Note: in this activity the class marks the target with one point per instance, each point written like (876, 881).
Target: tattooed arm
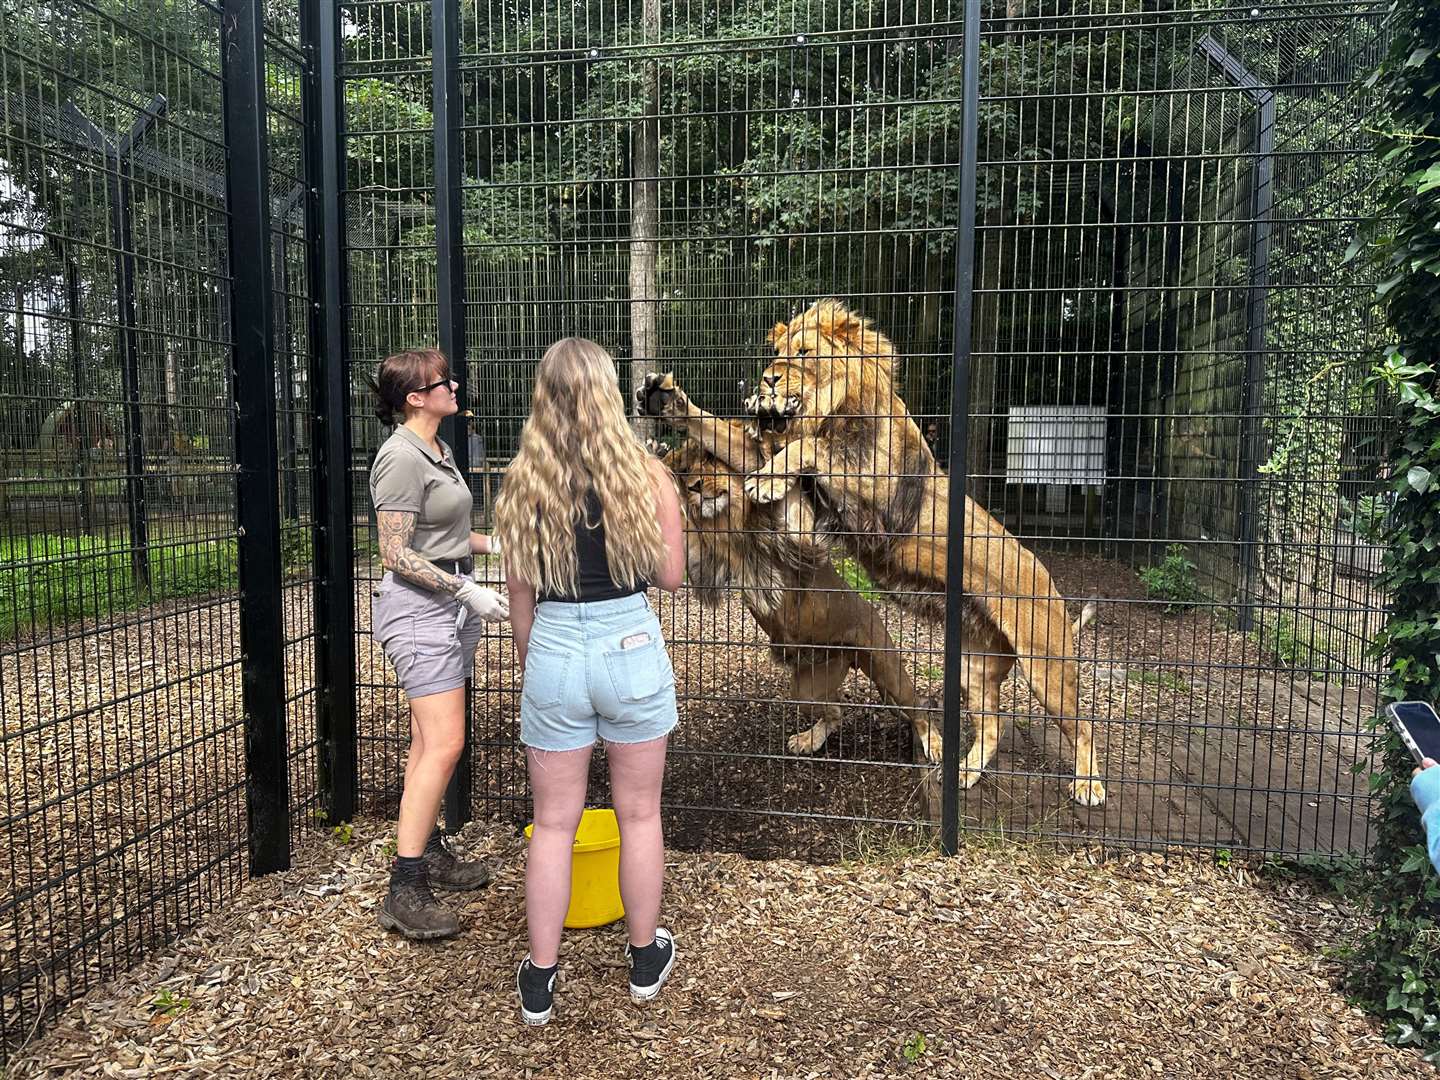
(397, 530)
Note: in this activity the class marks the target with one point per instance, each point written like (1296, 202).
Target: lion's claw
(659, 396)
(763, 488)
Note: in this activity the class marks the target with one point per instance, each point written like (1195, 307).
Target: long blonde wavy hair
(577, 437)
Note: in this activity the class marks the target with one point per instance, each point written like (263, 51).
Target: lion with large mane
(831, 443)
(819, 627)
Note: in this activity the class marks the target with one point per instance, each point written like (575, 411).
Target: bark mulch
(1008, 961)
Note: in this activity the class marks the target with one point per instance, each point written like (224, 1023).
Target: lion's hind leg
(986, 662)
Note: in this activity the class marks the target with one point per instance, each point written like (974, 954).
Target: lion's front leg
(777, 476)
(727, 440)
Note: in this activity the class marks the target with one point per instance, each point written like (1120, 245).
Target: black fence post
(447, 109)
(960, 428)
(1253, 392)
(117, 179)
(262, 639)
(334, 593)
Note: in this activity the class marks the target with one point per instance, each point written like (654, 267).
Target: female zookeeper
(427, 616)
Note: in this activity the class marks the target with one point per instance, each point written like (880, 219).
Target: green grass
(854, 575)
(1166, 680)
(47, 579)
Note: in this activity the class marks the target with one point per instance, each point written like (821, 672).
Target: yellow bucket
(594, 871)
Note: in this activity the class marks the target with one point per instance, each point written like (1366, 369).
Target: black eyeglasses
(438, 382)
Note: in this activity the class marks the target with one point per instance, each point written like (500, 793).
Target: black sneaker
(536, 987)
(444, 871)
(650, 965)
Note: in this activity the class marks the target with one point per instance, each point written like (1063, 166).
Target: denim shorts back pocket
(640, 673)
(546, 671)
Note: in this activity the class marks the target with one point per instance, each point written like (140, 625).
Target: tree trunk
(645, 226)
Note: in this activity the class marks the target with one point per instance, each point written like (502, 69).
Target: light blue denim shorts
(596, 670)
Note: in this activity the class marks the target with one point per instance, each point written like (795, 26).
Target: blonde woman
(428, 615)
(588, 519)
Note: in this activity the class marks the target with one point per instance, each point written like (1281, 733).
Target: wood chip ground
(1008, 961)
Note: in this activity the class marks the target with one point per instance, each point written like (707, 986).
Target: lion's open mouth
(776, 422)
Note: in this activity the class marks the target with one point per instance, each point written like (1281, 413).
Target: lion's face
(714, 496)
(821, 356)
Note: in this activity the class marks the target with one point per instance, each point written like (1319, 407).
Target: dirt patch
(1006, 961)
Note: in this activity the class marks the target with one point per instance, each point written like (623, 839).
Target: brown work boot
(449, 874)
(411, 908)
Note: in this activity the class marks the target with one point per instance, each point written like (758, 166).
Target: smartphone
(1418, 727)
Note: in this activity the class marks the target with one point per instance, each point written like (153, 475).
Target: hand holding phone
(1419, 729)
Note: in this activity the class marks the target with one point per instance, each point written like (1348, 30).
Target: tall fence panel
(124, 730)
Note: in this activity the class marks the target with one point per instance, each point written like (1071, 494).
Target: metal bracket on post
(262, 627)
(450, 293)
(1252, 392)
(334, 593)
(960, 427)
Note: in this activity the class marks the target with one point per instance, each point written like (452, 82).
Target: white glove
(481, 602)
(494, 545)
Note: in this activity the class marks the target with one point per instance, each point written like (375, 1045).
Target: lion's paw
(805, 742)
(1087, 792)
(659, 396)
(772, 410)
(764, 488)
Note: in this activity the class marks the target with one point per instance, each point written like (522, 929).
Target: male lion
(826, 414)
(819, 627)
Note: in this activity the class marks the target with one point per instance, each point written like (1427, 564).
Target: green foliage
(914, 1047)
(46, 579)
(1365, 516)
(343, 833)
(169, 1003)
(1397, 969)
(1277, 633)
(1172, 580)
(855, 576)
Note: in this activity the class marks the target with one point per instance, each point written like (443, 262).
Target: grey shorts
(416, 628)
(596, 670)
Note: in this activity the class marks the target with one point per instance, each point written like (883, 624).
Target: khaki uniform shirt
(408, 477)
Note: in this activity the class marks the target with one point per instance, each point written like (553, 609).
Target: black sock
(407, 871)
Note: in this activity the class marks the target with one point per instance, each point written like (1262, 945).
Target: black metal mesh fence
(1164, 403)
(1165, 381)
(123, 732)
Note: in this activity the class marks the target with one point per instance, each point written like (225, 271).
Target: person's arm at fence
(484, 544)
(1425, 790)
(522, 612)
(672, 528)
(397, 533)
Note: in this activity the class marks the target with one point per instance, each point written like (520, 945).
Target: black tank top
(592, 579)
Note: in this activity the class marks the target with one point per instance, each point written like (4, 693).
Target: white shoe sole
(641, 994)
(533, 1019)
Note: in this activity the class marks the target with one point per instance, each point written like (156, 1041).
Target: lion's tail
(1087, 616)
